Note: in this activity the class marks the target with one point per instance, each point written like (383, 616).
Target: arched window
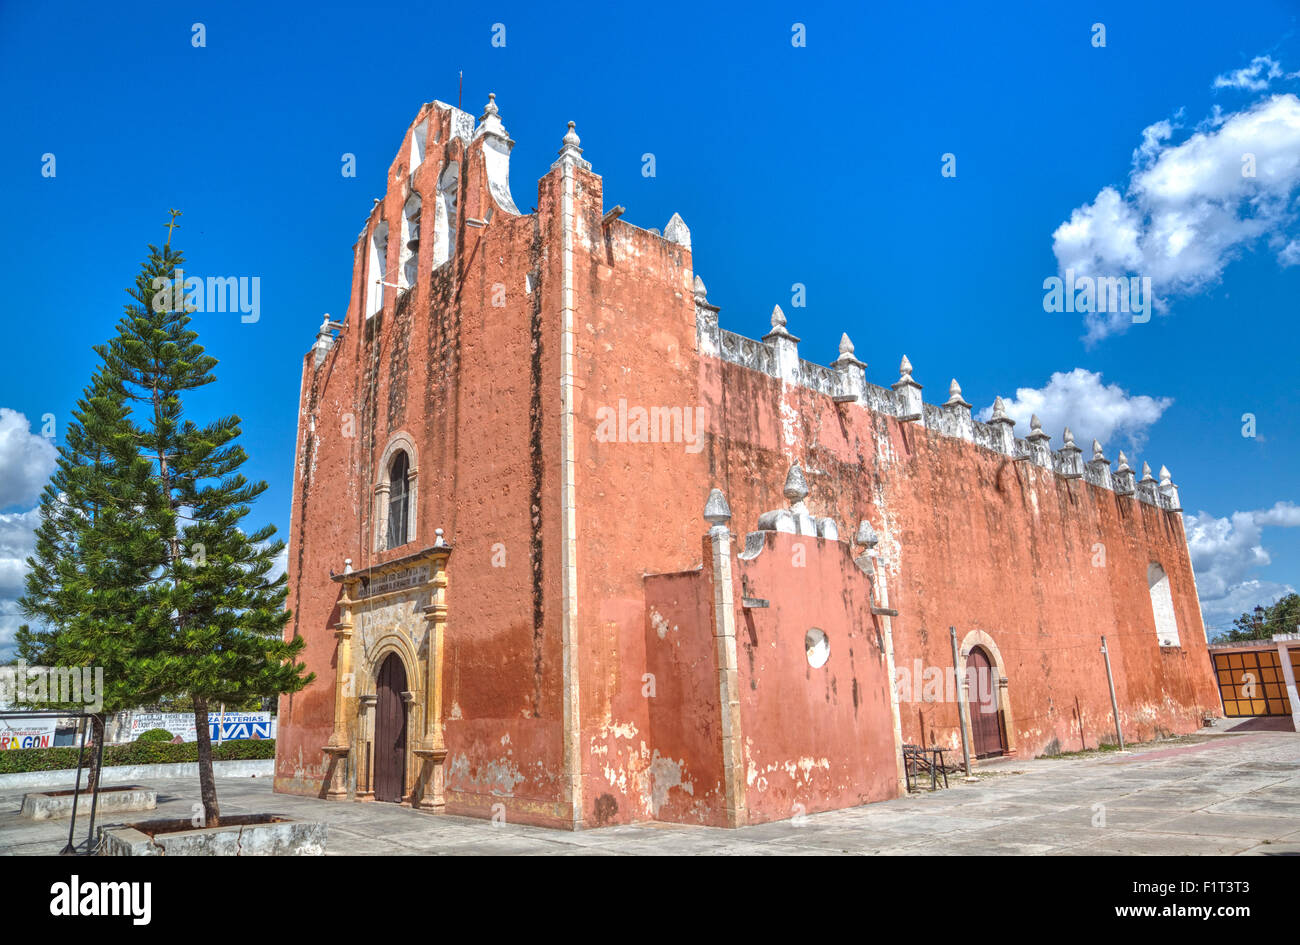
(396, 494)
(399, 499)
(1162, 605)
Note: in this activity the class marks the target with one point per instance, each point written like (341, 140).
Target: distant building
(521, 593)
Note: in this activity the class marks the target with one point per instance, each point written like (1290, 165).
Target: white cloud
(1090, 408)
(1290, 254)
(26, 460)
(280, 565)
(1225, 551)
(1254, 77)
(17, 543)
(1188, 210)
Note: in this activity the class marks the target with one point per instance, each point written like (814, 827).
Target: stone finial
(1123, 479)
(908, 393)
(1036, 433)
(852, 372)
(1070, 457)
(866, 535)
(1040, 454)
(490, 120)
(1169, 491)
(1098, 472)
(785, 346)
(438, 540)
(570, 153)
(676, 231)
(1004, 437)
(796, 487)
(325, 338)
(716, 510)
(795, 520)
(955, 398)
(1148, 490)
(347, 565)
(700, 291)
(1000, 412)
(846, 357)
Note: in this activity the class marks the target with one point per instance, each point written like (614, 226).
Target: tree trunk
(93, 736)
(207, 784)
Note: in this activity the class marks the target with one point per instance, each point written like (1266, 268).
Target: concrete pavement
(1220, 794)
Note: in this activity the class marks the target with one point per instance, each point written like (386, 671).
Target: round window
(817, 647)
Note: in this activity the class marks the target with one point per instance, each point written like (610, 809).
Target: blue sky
(816, 164)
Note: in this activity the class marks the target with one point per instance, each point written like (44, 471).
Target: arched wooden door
(390, 730)
(985, 719)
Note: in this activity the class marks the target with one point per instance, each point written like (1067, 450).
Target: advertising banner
(230, 727)
(26, 733)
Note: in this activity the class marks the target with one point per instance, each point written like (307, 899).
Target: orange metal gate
(1251, 682)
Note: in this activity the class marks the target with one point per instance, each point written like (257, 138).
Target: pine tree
(142, 564)
(87, 579)
(217, 625)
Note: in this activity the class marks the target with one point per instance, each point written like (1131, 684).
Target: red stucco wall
(968, 538)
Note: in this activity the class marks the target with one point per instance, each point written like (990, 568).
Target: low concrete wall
(286, 838)
(111, 800)
(133, 774)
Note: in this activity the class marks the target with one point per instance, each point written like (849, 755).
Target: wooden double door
(390, 730)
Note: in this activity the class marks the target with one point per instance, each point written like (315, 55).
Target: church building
(564, 550)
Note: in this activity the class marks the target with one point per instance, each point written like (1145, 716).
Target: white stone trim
(568, 510)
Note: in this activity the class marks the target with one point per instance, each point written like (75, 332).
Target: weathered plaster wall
(683, 775)
(635, 345)
(972, 539)
(468, 365)
(464, 364)
(816, 738)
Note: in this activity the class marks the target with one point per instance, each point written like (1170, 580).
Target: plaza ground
(1217, 794)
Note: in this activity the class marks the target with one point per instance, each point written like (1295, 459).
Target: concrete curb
(133, 774)
(113, 799)
(286, 837)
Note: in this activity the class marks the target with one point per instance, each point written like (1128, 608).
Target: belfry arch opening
(410, 241)
(378, 270)
(444, 237)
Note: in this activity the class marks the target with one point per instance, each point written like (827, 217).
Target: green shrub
(138, 752)
(155, 735)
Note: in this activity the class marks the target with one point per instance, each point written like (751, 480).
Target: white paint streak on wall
(660, 623)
